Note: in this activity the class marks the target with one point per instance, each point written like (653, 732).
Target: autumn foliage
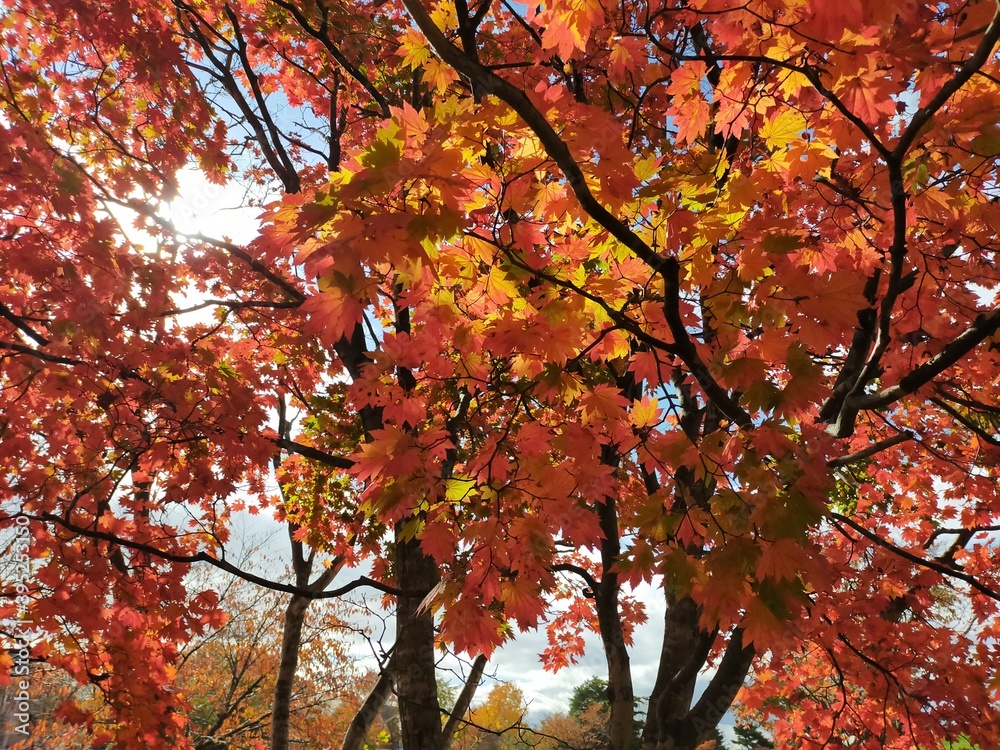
(546, 302)
(224, 681)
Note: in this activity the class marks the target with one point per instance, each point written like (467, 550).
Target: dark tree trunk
(674, 728)
(672, 723)
(362, 722)
(464, 701)
(683, 654)
(621, 696)
(291, 639)
(416, 683)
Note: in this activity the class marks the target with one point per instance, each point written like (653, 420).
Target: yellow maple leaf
(779, 131)
(645, 413)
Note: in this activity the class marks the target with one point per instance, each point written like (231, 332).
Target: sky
(220, 211)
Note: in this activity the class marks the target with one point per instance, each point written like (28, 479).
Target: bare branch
(464, 701)
(19, 323)
(592, 582)
(232, 304)
(221, 564)
(871, 450)
(362, 721)
(37, 353)
(966, 422)
(315, 454)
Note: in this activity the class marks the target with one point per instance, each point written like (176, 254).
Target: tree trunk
(621, 724)
(390, 718)
(682, 655)
(464, 701)
(621, 696)
(291, 639)
(361, 724)
(672, 723)
(416, 683)
(673, 726)
(733, 669)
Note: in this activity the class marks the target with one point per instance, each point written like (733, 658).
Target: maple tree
(555, 301)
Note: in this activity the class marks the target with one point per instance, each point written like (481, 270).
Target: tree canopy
(545, 302)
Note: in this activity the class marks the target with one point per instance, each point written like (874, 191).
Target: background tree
(225, 681)
(586, 721)
(584, 725)
(50, 689)
(750, 737)
(228, 676)
(499, 722)
(592, 692)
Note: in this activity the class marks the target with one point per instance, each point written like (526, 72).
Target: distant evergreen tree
(751, 737)
(594, 692)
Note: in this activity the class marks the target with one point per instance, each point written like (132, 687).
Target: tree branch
(592, 582)
(871, 450)
(463, 702)
(983, 327)
(966, 422)
(232, 248)
(990, 38)
(53, 358)
(724, 686)
(485, 81)
(221, 564)
(19, 323)
(232, 304)
(323, 38)
(315, 454)
(930, 564)
(354, 739)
